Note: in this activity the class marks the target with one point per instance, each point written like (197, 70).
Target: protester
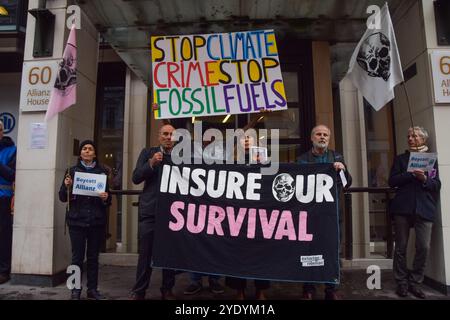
(240, 284)
(414, 206)
(196, 284)
(320, 153)
(147, 170)
(7, 177)
(86, 219)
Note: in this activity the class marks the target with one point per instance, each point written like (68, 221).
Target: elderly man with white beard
(320, 153)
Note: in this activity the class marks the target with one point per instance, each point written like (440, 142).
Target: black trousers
(6, 227)
(144, 269)
(87, 240)
(241, 283)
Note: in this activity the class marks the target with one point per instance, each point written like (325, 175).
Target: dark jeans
(90, 238)
(6, 224)
(423, 228)
(241, 283)
(144, 269)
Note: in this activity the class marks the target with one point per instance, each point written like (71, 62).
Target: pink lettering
(235, 223)
(190, 224)
(286, 227)
(175, 211)
(251, 228)
(302, 225)
(282, 225)
(215, 218)
(268, 227)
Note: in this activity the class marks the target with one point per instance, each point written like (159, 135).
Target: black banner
(232, 220)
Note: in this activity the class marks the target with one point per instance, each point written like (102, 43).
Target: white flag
(375, 67)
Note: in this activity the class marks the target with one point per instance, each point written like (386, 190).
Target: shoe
(137, 296)
(193, 288)
(402, 291)
(416, 291)
(216, 287)
(4, 277)
(260, 295)
(307, 296)
(240, 295)
(332, 295)
(95, 295)
(76, 294)
(167, 295)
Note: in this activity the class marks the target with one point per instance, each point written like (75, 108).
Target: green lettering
(197, 101)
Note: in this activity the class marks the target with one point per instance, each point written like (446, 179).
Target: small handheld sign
(89, 184)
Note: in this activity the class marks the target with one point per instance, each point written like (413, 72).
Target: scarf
(88, 166)
(422, 148)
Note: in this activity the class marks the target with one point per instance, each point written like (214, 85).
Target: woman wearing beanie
(86, 219)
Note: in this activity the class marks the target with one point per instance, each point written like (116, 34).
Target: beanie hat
(85, 142)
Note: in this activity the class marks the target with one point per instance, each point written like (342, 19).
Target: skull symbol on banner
(67, 75)
(374, 56)
(283, 187)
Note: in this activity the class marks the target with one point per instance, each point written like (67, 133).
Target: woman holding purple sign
(414, 206)
(86, 218)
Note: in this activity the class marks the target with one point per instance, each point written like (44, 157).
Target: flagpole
(409, 104)
(68, 165)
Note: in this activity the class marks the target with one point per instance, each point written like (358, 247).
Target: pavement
(115, 283)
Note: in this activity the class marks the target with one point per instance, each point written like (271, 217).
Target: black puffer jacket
(85, 211)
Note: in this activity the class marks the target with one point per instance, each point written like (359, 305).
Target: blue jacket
(412, 196)
(7, 166)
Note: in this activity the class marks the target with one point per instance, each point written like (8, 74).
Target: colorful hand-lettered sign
(216, 74)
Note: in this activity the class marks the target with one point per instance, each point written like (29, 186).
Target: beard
(320, 145)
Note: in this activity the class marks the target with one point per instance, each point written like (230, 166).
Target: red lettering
(155, 76)
(194, 67)
(172, 68)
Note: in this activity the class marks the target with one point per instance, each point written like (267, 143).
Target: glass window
(290, 80)
(109, 138)
(13, 15)
(287, 121)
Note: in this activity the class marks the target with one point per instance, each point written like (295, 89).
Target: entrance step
(384, 264)
(118, 259)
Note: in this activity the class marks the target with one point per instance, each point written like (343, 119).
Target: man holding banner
(147, 170)
(320, 138)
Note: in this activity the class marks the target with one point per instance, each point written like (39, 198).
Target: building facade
(315, 40)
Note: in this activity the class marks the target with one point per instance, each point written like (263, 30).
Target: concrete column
(135, 138)
(323, 94)
(354, 149)
(420, 21)
(41, 248)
